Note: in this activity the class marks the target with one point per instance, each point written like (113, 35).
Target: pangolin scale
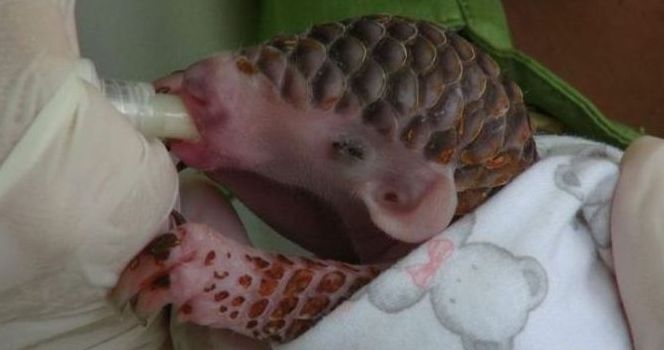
(414, 81)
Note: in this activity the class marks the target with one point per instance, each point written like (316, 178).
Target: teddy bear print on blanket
(529, 269)
(470, 287)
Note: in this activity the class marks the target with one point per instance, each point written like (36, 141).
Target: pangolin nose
(197, 80)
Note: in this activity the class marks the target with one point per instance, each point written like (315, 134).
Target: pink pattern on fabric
(438, 251)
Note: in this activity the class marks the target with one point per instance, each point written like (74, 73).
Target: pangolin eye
(349, 149)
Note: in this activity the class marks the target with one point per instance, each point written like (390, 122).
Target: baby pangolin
(355, 139)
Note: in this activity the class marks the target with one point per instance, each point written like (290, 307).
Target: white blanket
(529, 269)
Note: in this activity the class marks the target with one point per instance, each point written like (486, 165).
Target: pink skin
(217, 281)
(298, 168)
(202, 201)
(213, 281)
(280, 160)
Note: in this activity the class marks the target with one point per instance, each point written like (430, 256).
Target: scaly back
(414, 81)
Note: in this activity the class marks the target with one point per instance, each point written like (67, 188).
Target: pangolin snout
(197, 80)
(206, 93)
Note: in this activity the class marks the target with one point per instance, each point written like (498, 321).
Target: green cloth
(482, 21)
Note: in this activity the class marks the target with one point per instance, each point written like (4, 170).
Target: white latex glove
(81, 192)
(637, 225)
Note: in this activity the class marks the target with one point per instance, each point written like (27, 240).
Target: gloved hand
(637, 227)
(81, 191)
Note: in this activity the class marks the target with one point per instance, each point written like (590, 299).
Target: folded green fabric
(484, 22)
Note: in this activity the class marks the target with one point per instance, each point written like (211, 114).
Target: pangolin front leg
(214, 281)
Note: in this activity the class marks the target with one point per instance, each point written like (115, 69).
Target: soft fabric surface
(529, 269)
